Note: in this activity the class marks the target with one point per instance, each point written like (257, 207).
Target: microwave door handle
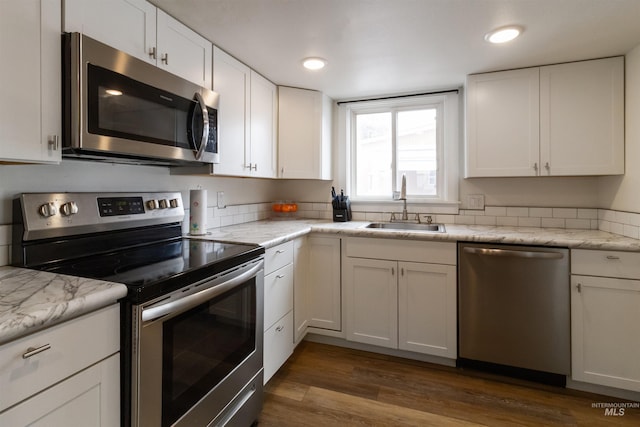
(205, 127)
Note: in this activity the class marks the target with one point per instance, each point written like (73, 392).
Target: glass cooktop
(153, 269)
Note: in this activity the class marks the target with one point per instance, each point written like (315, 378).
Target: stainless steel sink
(434, 228)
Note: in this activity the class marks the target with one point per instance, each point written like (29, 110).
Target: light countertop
(270, 233)
(31, 300)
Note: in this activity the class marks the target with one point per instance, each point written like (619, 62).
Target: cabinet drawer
(277, 257)
(278, 295)
(402, 250)
(624, 265)
(73, 346)
(278, 345)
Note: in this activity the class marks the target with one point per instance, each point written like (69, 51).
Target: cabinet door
(582, 118)
(605, 326)
(264, 104)
(427, 309)
(301, 289)
(182, 51)
(88, 398)
(278, 294)
(127, 25)
(30, 75)
(325, 283)
(371, 299)
(278, 345)
(303, 140)
(503, 124)
(231, 79)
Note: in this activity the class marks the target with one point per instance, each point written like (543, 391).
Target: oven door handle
(182, 304)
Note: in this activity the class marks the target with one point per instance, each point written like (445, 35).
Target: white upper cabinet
(246, 119)
(582, 118)
(263, 116)
(127, 25)
(141, 30)
(503, 123)
(30, 119)
(232, 80)
(556, 120)
(304, 134)
(183, 52)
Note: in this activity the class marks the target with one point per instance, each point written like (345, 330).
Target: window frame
(447, 143)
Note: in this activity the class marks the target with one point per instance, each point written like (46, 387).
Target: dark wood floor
(324, 385)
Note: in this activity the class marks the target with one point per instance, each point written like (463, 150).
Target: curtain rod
(399, 96)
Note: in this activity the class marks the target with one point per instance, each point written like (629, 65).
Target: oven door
(199, 352)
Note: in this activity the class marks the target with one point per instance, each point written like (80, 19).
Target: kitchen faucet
(403, 197)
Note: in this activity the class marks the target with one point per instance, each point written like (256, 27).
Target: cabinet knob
(152, 53)
(535, 167)
(165, 58)
(547, 167)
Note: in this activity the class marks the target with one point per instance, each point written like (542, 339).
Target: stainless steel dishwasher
(514, 309)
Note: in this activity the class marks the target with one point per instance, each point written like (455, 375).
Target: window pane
(373, 154)
(417, 151)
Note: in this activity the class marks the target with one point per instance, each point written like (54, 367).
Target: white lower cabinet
(278, 308)
(88, 398)
(64, 373)
(324, 284)
(605, 318)
(427, 320)
(301, 291)
(394, 298)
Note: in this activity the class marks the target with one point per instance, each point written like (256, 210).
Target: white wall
(74, 175)
(623, 193)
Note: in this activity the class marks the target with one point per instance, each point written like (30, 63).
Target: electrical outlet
(221, 204)
(475, 201)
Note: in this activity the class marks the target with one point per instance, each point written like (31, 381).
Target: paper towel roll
(198, 212)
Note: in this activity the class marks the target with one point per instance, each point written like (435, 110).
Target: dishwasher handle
(513, 253)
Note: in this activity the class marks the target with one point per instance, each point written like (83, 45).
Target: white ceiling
(384, 47)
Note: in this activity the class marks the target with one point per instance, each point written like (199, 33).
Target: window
(413, 136)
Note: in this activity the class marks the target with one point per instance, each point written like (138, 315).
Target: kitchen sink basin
(437, 228)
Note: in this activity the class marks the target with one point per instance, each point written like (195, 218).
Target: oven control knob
(152, 204)
(174, 203)
(48, 209)
(69, 208)
(164, 203)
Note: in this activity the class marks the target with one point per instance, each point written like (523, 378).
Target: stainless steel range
(192, 320)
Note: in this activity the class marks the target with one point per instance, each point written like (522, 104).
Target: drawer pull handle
(279, 328)
(32, 351)
(279, 251)
(612, 257)
(280, 276)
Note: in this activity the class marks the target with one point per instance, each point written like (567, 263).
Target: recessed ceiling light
(503, 34)
(314, 63)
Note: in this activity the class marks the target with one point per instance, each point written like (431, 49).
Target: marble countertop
(269, 233)
(31, 300)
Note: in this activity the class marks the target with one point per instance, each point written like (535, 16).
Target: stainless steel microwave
(120, 109)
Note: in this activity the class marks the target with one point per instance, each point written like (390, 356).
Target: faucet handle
(418, 217)
(393, 217)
